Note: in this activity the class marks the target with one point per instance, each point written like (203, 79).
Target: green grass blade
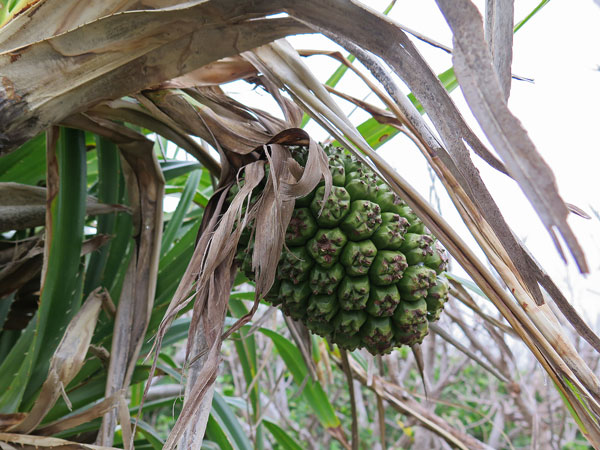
(184, 203)
(281, 436)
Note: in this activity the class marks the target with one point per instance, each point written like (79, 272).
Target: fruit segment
(360, 268)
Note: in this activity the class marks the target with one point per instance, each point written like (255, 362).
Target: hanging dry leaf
(66, 361)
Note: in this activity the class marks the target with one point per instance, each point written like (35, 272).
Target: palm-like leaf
(158, 68)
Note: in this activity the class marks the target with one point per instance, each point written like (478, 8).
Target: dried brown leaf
(403, 403)
(79, 418)
(17, 272)
(222, 71)
(145, 186)
(42, 442)
(66, 361)
(23, 206)
(499, 23)
(49, 18)
(481, 88)
(8, 421)
(99, 63)
(233, 135)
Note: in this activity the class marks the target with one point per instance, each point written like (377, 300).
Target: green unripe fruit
(437, 296)
(417, 255)
(416, 225)
(357, 257)
(410, 313)
(324, 329)
(390, 235)
(301, 228)
(378, 335)
(354, 165)
(388, 201)
(387, 268)
(338, 172)
(412, 334)
(335, 209)
(353, 293)
(415, 240)
(362, 220)
(273, 296)
(417, 277)
(349, 322)
(437, 261)
(306, 200)
(294, 265)
(294, 299)
(322, 308)
(325, 280)
(348, 342)
(362, 188)
(326, 246)
(362, 273)
(383, 300)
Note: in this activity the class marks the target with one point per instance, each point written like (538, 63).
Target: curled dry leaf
(66, 361)
(210, 274)
(219, 72)
(145, 187)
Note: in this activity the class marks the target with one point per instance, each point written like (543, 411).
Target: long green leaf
(149, 433)
(174, 169)
(313, 392)
(281, 436)
(27, 164)
(245, 346)
(229, 423)
(184, 203)
(107, 192)
(215, 433)
(60, 293)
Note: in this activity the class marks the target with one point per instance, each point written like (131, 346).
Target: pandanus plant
(334, 236)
